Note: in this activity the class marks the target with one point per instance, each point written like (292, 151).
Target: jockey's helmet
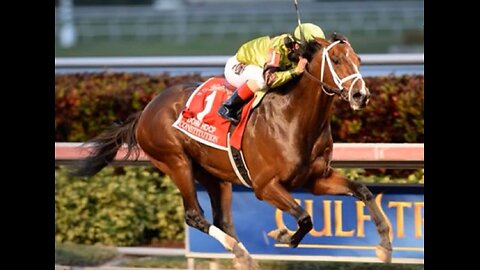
(310, 31)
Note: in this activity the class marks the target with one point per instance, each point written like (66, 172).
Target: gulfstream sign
(343, 229)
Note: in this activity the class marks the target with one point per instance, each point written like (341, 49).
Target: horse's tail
(106, 145)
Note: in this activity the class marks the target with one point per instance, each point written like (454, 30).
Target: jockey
(265, 62)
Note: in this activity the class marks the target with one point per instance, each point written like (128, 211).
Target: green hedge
(395, 113)
(118, 206)
(85, 104)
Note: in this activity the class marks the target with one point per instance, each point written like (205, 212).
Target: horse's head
(338, 66)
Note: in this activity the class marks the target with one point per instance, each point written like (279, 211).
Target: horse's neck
(304, 112)
(313, 106)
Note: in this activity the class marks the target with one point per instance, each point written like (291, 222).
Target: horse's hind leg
(179, 169)
(336, 183)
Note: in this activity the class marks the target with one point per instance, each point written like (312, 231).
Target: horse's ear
(336, 36)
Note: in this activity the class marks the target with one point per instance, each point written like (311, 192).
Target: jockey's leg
(231, 108)
(248, 80)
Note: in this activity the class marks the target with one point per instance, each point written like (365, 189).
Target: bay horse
(289, 145)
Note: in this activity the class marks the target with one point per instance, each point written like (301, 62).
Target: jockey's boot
(231, 107)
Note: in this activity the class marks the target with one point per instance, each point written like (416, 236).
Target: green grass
(181, 262)
(152, 46)
(87, 255)
(207, 45)
(83, 255)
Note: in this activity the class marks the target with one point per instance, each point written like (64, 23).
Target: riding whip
(295, 3)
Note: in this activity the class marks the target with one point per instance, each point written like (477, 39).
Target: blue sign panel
(342, 226)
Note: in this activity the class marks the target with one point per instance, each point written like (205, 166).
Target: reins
(325, 87)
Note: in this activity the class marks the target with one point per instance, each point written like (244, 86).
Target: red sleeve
(273, 59)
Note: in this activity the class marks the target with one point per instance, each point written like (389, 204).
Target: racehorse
(289, 146)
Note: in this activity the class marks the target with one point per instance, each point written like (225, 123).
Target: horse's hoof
(281, 235)
(383, 254)
(294, 244)
(239, 252)
(244, 262)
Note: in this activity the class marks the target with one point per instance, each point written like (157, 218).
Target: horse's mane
(307, 50)
(337, 36)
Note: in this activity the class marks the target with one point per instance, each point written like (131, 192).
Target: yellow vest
(266, 51)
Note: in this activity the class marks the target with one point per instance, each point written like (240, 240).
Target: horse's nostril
(357, 96)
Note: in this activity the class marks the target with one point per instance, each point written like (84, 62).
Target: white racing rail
(345, 155)
(208, 61)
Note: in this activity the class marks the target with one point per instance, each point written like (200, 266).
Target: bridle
(327, 89)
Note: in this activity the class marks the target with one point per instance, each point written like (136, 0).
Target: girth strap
(238, 162)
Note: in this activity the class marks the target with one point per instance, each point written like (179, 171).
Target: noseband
(338, 82)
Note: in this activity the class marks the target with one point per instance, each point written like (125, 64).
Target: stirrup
(225, 113)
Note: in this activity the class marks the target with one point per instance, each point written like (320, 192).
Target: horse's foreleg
(223, 230)
(179, 168)
(384, 249)
(220, 194)
(276, 194)
(221, 201)
(335, 183)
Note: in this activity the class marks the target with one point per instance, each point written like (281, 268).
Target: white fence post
(68, 35)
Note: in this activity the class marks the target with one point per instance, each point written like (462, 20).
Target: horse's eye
(335, 60)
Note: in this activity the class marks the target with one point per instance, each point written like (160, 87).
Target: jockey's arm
(275, 78)
(272, 73)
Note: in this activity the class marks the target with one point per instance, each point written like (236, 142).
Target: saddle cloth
(200, 120)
